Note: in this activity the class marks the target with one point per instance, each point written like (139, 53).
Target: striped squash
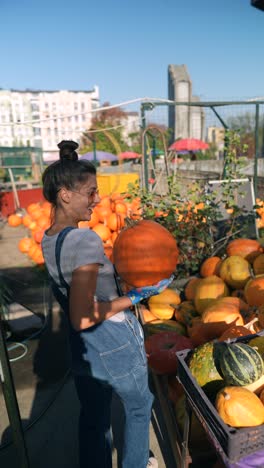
(240, 364)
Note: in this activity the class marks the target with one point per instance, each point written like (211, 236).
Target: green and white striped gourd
(239, 363)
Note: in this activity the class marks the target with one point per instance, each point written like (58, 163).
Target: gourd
(235, 271)
(145, 253)
(238, 363)
(158, 325)
(162, 305)
(207, 290)
(239, 407)
(234, 332)
(202, 365)
(246, 248)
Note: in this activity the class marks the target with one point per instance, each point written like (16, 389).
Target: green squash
(202, 365)
(240, 363)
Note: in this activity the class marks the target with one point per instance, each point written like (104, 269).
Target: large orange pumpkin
(247, 248)
(144, 253)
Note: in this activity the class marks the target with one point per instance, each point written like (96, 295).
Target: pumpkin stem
(227, 396)
(130, 222)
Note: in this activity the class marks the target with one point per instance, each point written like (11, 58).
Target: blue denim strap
(62, 300)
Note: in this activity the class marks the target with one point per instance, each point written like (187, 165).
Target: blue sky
(125, 47)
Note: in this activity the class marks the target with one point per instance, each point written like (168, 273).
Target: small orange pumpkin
(14, 220)
(254, 291)
(210, 266)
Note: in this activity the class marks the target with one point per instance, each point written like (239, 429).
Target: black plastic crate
(234, 443)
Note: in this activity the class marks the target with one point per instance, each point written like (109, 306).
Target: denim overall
(107, 357)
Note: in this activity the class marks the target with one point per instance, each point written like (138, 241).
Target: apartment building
(42, 118)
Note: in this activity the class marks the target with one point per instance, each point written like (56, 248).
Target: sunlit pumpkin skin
(238, 363)
(162, 305)
(190, 288)
(221, 312)
(258, 265)
(235, 271)
(145, 253)
(239, 303)
(201, 333)
(25, 244)
(147, 315)
(254, 291)
(102, 231)
(234, 332)
(246, 248)
(239, 407)
(14, 220)
(207, 290)
(210, 266)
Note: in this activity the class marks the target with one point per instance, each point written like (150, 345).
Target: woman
(106, 339)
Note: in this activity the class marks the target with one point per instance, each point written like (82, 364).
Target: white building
(57, 114)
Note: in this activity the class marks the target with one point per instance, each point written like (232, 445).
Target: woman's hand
(138, 294)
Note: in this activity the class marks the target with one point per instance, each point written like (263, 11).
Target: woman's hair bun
(67, 150)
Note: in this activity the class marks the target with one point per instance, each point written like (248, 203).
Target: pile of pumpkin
(224, 302)
(107, 219)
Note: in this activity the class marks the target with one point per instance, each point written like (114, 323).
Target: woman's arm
(84, 311)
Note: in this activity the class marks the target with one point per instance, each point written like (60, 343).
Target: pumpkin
(158, 325)
(14, 220)
(239, 407)
(246, 248)
(234, 332)
(147, 315)
(200, 333)
(202, 365)
(93, 220)
(185, 312)
(210, 266)
(190, 288)
(102, 231)
(220, 311)
(145, 253)
(207, 290)
(24, 244)
(235, 271)
(254, 291)
(258, 344)
(258, 265)
(162, 305)
(239, 363)
(161, 351)
(261, 396)
(115, 221)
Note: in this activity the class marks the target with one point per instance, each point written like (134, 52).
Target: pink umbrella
(188, 144)
(129, 155)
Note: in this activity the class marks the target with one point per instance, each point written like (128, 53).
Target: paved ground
(45, 392)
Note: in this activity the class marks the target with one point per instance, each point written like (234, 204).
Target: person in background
(105, 337)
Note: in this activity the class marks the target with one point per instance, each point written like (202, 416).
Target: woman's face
(84, 199)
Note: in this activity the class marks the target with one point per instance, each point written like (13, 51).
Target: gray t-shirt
(82, 247)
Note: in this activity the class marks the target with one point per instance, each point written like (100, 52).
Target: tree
(105, 119)
(245, 123)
